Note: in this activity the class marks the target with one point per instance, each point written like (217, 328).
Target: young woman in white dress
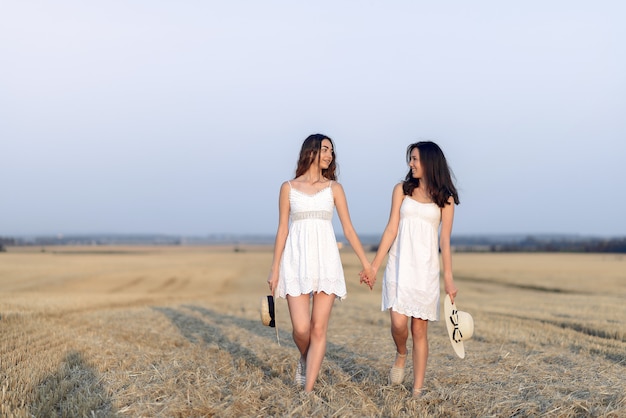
(306, 265)
(419, 226)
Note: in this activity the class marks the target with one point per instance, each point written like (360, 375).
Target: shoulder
(336, 187)
(285, 186)
(398, 189)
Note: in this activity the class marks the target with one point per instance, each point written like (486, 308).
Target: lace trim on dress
(416, 313)
(313, 214)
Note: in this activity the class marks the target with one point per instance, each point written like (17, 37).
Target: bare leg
(300, 322)
(322, 306)
(419, 329)
(400, 334)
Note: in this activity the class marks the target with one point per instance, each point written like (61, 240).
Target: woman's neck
(313, 177)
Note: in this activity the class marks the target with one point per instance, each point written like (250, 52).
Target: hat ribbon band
(457, 336)
(270, 300)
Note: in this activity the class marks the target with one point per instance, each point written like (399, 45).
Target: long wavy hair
(310, 151)
(438, 176)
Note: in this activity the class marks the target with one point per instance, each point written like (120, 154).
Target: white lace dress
(310, 261)
(411, 280)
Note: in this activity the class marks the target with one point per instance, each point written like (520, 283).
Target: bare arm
(447, 217)
(281, 235)
(341, 204)
(391, 230)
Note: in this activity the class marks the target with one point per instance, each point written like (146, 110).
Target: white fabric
(310, 261)
(411, 280)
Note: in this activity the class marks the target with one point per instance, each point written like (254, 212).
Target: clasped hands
(368, 276)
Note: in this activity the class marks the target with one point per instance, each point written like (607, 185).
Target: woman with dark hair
(306, 265)
(420, 224)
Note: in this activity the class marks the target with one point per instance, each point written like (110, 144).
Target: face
(415, 164)
(326, 154)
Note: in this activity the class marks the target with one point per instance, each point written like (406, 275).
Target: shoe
(300, 378)
(417, 393)
(396, 374)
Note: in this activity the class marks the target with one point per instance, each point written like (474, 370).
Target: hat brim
(448, 307)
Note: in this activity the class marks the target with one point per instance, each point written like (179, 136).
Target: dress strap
(290, 186)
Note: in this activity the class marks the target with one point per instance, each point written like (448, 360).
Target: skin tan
(399, 322)
(309, 330)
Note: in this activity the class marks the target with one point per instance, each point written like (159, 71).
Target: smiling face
(415, 164)
(326, 154)
(318, 152)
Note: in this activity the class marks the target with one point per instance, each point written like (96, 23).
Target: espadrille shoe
(417, 393)
(396, 374)
(300, 377)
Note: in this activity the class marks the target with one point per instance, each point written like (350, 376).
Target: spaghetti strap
(290, 186)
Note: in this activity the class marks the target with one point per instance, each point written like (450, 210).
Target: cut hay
(175, 332)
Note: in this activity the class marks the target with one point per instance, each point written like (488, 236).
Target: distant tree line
(537, 244)
(4, 242)
(496, 243)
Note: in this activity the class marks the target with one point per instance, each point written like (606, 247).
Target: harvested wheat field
(175, 332)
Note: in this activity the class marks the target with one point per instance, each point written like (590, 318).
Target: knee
(399, 329)
(420, 331)
(301, 331)
(318, 331)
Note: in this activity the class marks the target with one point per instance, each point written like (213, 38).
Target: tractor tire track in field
(172, 284)
(584, 330)
(195, 329)
(520, 286)
(580, 328)
(130, 284)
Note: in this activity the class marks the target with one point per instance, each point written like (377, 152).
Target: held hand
(362, 277)
(371, 274)
(368, 276)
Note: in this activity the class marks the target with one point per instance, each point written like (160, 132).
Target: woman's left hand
(368, 276)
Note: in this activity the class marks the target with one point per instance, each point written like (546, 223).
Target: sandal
(417, 393)
(396, 374)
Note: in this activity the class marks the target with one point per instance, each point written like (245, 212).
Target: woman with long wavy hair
(307, 269)
(419, 226)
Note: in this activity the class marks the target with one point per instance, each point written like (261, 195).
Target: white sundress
(310, 262)
(411, 279)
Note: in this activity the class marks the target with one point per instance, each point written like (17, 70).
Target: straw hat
(460, 326)
(267, 311)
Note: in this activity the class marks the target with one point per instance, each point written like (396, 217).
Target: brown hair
(310, 151)
(437, 174)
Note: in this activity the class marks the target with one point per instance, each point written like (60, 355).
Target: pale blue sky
(185, 117)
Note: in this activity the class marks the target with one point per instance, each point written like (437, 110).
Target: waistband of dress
(313, 214)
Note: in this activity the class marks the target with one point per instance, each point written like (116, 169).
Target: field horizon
(175, 331)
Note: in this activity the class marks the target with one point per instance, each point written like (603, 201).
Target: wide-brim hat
(460, 326)
(268, 316)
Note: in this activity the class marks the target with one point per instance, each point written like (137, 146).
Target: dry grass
(175, 332)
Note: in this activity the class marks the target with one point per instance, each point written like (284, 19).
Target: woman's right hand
(272, 281)
(368, 276)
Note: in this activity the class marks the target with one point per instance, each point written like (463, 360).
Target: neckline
(308, 194)
(417, 201)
